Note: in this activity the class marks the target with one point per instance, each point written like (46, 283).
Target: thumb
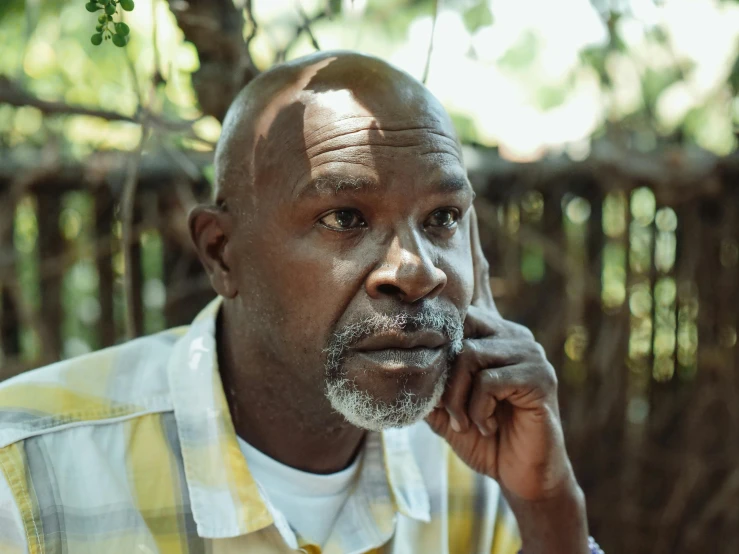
(439, 422)
(480, 322)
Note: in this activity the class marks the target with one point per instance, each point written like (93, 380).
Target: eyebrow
(335, 184)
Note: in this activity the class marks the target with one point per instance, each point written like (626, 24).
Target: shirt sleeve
(12, 534)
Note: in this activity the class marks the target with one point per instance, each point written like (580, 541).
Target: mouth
(414, 360)
(420, 351)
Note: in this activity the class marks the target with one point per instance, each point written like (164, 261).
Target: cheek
(325, 282)
(308, 287)
(460, 277)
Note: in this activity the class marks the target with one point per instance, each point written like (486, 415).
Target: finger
(439, 420)
(524, 385)
(482, 406)
(518, 331)
(482, 295)
(476, 354)
(480, 322)
(458, 387)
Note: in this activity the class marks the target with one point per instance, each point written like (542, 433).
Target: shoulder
(116, 382)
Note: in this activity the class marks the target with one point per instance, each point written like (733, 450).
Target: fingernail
(492, 426)
(455, 424)
(484, 432)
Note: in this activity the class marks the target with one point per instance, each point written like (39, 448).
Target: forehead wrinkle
(389, 140)
(320, 128)
(400, 125)
(372, 156)
(386, 133)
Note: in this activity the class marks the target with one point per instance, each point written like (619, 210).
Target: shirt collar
(225, 498)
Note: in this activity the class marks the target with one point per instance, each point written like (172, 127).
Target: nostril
(390, 290)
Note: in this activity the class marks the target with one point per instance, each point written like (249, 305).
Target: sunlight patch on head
(342, 103)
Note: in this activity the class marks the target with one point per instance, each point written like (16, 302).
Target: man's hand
(500, 415)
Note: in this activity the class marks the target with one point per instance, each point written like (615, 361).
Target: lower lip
(402, 359)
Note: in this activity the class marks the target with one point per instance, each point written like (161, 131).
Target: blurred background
(600, 136)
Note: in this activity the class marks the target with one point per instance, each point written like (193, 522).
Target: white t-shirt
(310, 502)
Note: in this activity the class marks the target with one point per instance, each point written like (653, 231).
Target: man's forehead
(319, 114)
(326, 105)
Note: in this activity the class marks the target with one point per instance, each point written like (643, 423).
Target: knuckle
(540, 350)
(522, 331)
(549, 377)
(469, 346)
(478, 417)
(487, 378)
(472, 354)
(532, 349)
(484, 267)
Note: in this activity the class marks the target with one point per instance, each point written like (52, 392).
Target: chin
(374, 399)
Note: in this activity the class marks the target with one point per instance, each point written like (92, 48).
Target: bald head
(282, 112)
(342, 200)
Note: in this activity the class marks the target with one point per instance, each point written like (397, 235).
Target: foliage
(107, 28)
(608, 261)
(527, 82)
(511, 73)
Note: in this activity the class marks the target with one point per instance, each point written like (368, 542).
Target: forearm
(554, 526)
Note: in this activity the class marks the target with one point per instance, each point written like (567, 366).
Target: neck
(275, 411)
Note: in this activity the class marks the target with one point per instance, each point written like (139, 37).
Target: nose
(406, 273)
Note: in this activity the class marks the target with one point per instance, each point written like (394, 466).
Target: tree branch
(13, 95)
(128, 205)
(304, 28)
(216, 28)
(252, 33)
(431, 43)
(307, 24)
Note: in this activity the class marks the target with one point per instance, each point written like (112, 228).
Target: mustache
(447, 321)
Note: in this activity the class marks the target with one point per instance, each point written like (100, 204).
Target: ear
(482, 296)
(210, 230)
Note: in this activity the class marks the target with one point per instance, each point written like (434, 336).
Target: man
(353, 389)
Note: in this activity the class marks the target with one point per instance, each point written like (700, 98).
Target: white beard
(359, 407)
(362, 410)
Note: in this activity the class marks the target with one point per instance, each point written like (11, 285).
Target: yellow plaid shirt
(131, 450)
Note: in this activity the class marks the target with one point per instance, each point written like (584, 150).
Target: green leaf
(102, 18)
(11, 7)
(549, 97)
(522, 53)
(92, 7)
(127, 5)
(478, 16)
(97, 39)
(110, 9)
(122, 29)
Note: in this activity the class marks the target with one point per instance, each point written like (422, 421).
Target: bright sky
(519, 83)
(550, 100)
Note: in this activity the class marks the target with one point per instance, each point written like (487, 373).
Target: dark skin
(341, 192)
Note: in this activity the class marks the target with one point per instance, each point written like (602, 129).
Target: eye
(445, 217)
(343, 220)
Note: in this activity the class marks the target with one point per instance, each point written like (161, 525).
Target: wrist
(555, 524)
